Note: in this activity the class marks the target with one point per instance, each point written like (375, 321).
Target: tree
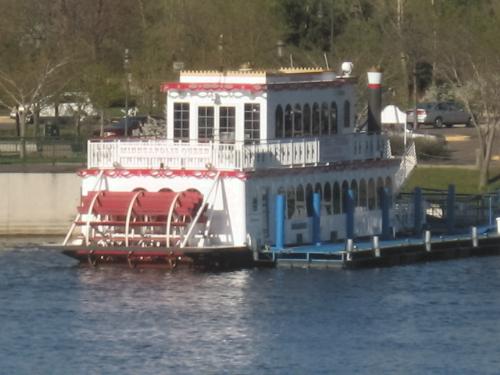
(30, 69)
(470, 64)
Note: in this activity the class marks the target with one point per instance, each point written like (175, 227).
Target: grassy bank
(436, 177)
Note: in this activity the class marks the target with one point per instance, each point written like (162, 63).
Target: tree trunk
(102, 123)
(484, 176)
(18, 125)
(77, 124)
(22, 134)
(485, 156)
(36, 121)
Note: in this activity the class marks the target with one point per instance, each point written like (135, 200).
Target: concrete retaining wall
(38, 203)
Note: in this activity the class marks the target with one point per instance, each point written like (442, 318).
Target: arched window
(347, 114)
(336, 198)
(371, 194)
(288, 121)
(318, 189)
(324, 119)
(362, 193)
(345, 189)
(388, 184)
(309, 195)
(300, 204)
(297, 121)
(333, 118)
(300, 194)
(327, 198)
(290, 202)
(380, 188)
(354, 188)
(279, 122)
(306, 119)
(315, 120)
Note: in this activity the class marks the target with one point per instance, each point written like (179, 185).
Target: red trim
(374, 86)
(212, 87)
(254, 87)
(162, 173)
(308, 85)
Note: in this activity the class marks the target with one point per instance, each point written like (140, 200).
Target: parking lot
(462, 143)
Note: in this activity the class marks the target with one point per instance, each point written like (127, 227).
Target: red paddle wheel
(139, 219)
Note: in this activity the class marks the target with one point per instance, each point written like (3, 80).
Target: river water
(434, 318)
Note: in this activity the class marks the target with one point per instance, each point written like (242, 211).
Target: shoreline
(8, 242)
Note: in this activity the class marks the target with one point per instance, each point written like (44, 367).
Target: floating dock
(375, 253)
(379, 251)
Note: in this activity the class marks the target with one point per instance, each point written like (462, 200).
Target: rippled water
(435, 318)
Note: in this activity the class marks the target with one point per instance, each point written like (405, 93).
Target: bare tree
(470, 62)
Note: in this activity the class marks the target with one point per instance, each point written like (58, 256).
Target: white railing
(408, 162)
(152, 154)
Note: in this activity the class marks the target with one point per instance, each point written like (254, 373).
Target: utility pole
(403, 55)
(434, 41)
(220, 48)
(127, 77)
(331, 27)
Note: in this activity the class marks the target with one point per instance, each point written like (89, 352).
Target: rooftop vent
(246, 67)
(347, 68)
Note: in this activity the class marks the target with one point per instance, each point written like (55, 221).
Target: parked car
(439, 114)
(117, 129)
(29, 116)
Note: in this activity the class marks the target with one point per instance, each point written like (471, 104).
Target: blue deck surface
(332, 248)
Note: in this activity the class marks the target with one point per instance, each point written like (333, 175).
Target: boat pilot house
(292, 103)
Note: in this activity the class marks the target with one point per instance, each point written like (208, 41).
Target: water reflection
(204, 314)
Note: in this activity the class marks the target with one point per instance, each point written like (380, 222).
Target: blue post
(316, 203)
(417, 210)
(349, 213)
(280, 221)
(450, 209)
(385, 205)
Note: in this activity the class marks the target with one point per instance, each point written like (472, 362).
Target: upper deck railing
(154, 154)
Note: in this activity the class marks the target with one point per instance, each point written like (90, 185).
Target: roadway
(462, 143)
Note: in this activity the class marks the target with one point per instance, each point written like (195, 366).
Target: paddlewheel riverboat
(235, 140)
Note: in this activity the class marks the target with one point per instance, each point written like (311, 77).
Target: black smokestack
(374, 100)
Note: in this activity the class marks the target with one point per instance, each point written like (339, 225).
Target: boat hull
(223, 258)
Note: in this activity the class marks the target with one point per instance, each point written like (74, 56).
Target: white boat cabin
(257, 106)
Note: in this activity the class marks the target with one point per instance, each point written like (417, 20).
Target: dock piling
(376, 246)
(428, 243)
(349, 245)
(349, 248)
(498, 225)
(475, 241)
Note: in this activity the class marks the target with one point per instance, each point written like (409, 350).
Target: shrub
(428, 148)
